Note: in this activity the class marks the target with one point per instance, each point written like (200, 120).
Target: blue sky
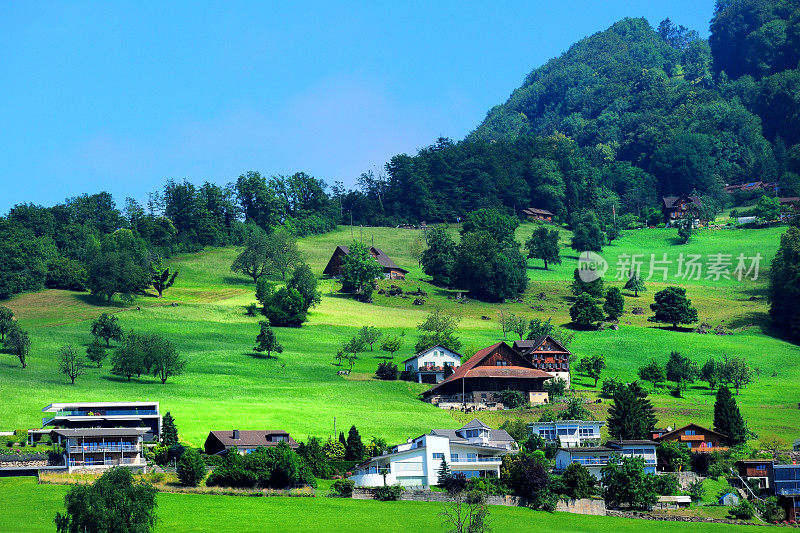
(121, 96)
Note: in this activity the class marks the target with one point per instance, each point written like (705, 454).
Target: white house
(429, 365)
(595, 458)
(571, 433)
(98, 448)
(474, 450)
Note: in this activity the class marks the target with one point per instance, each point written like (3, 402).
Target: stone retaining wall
(21, 464)
(583, 506)
(677, 518)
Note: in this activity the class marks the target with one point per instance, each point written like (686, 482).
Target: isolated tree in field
(169, 431)
(593, 288)
(438, 328)
(392, 344)
(727, 418)
(490, 270)
(70, 362)
(784, 284)
(673, 307)
(267, 341)
(304, 282)
(518, 325)
(18, 343)
(685, 228)
(161, 277)
(711, 372)
(614, 304)
(128, 357)
(351, 357)
(254, 260)
(585, 312)
(107, 327)
(543, 245)
(587, 234)
(282, 252)
(191, 469)
(680, 369)
(768, 208)
(166, 361)
(285, 307)
(635, 284)
(359, 270)
(631, 416)
(115, 502)
(593, 365)
(96, 352)
(652, 372)
(737, 372)
(371, 335)
(438, 258)
(354, 447)
(6, 321)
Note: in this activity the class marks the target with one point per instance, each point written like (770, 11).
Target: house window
(710, 444)
(689, 444)
(438, 456)
(454, 457)
(761, 467)
(689, 432)
(502, 363)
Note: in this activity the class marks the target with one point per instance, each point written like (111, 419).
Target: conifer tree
(727, 418)
(444, 473)
(169, 432)
(632, 415)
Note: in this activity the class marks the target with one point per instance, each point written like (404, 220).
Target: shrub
(251, 310)
(609, 387)
(191, 468)
(512, 399)
(388, 494)
(743, 511)
(387, 371)
(666, 485)
(342, 488)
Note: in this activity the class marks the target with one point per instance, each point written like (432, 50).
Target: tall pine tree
(632, 415)
(727, 418)
(354, 449)
(444, 473)
(169, 432)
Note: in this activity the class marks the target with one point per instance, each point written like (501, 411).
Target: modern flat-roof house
(677, 207)
(429, 365)
(480, 380)
(571, 433)
(533, 213)
(545, 353)
(84, 415)
(796, 445)
(245, 441)
(787, 488)
(697, 438)
(474, 450)
(595, 458)
(390, 269)
(99, 448)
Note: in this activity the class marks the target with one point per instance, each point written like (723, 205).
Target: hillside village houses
(545, 353)
(245, 441)
(570, 433)
(676, 208)
(432, 365)
(390, 269)
(479, 382)
(594, 458)
(695, 437)
(474, 450)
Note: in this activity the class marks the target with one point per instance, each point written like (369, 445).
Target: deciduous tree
(70, 362)
(107, 328)
(161, 277)
(585, 312)
(543, 245)
(635, 284)
(438, 328)
(673, 307)
(359, 270)
(267, 341)
(614, 304)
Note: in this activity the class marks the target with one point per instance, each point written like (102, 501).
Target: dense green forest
(618, 120)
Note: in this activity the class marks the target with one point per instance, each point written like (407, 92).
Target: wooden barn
(390, 269)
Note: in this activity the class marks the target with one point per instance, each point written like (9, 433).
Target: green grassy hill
(226, 386)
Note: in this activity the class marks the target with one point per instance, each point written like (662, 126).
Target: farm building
(390, 269)
(533, 213)
(677, 207)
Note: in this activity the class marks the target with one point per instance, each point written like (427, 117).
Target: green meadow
(190, 512)
(226, 386)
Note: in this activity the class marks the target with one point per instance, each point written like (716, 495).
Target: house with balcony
(474, 450)
(546, 354)
(431, 365)
(85, 415)
(759, 470)
(246, 441)
(100, 448)
(595, 458)
(786, 487)
(695, 437)
(570, 433)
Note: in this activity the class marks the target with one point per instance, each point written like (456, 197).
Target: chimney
(235, 434)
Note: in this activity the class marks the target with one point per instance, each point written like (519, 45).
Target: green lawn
(226, 386)
(188, 512)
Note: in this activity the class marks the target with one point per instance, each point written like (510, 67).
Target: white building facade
(429, 365)
(571, 433)
(474, 451)
(595, 458)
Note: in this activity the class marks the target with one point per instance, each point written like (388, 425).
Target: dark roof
(706, 430)
(669, 201)
(251, 438)
(101, 432)
(630, 442)
(426, 350)
(475, 424)
(380, 256)
(528, 345)
(471, 368)
(536, 211)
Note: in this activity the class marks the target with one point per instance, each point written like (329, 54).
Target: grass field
(187, 513)
(226, 386)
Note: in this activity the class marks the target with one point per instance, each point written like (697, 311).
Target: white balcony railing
(105, 448)
(475, 459)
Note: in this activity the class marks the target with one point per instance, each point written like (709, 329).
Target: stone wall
(686, 478)
(677, 518)
(583, 506)
(22, 464)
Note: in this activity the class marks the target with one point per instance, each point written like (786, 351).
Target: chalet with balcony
(571, 433)
(475, 450)
(390, 269)
(533, 213)
(546, 354)
(697, 438)
(245, 441)
(678, 207)
(494, 369)
(759, 470)
(86, 415)
(595, 458)
(431, 365)
(100, 448)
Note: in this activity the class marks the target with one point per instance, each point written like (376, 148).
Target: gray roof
(588, 449)
(251, 438)
(101, 432)
(631, 442)
(426, 350)
(475, 424)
